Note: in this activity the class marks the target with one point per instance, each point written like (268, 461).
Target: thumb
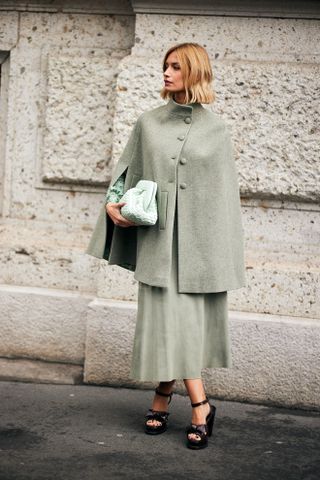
(120, 204)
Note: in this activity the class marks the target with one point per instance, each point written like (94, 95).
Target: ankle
(201, 408)
(200, 413)
(160, 404)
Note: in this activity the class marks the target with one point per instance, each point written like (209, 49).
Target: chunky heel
(211, 419)
(203, 430)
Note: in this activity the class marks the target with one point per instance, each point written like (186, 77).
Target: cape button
(181, 137)
(187, 120)
(183, 161)
(183, 185)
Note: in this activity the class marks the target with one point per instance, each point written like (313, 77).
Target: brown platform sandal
(203, 430)
(160, 416)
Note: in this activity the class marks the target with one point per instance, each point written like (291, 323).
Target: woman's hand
(113, 210)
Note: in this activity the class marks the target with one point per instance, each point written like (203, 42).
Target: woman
(187, 262)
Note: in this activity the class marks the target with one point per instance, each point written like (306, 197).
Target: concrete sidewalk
(92, 433)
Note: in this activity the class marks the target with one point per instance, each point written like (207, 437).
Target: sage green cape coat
(188, 152)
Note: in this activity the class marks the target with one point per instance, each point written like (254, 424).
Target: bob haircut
(196, 73)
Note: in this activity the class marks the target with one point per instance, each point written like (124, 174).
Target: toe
(153, 423)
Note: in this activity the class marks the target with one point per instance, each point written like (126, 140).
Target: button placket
(182, 137)
(188, 121)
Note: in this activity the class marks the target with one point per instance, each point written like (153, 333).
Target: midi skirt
(178, 334)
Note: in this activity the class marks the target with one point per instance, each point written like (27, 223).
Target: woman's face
(172, 74)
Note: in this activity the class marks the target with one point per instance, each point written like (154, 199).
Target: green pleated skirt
(178, 334)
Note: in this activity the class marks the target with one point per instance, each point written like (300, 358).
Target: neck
(179, 97)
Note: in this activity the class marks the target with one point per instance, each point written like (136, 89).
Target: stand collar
(182, 109)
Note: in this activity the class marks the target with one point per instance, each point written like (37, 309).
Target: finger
(125, 223)
(129, 223)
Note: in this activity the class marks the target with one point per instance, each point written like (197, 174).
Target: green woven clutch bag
(141, 204)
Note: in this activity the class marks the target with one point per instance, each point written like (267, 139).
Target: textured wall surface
(62, 83)
(47, 325)
(78, 117)
(76, 84)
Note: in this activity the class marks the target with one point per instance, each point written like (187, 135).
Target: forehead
(172, 58)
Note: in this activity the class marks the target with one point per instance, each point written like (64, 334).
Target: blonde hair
(196, 73)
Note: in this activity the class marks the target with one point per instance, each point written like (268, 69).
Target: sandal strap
(164, 394)
(200, 403)
(157, 415)
(200, 430)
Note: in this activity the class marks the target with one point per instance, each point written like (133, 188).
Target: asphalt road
(53, 432)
